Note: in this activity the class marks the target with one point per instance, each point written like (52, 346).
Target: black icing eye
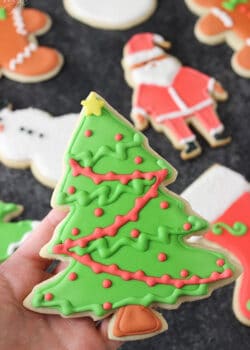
(21, 128)
(41, 135)
(1, 119)
(30, 132)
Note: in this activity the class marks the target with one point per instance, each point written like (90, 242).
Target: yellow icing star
(92, 105)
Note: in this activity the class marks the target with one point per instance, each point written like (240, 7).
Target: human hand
(22, 329)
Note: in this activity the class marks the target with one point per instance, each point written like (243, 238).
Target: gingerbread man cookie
(12, 234)
(124, 235)
(162, 95)
(222, 196)
(42, 144)
(111, 14)
(21, 58)
(225, 20)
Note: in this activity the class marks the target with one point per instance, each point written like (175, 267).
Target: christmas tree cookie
(222, 196)
(12, 234)
(225, 21)
(124, 237)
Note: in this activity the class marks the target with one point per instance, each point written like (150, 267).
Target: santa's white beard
(158, 72)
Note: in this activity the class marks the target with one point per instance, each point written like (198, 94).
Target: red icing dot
(118, 137)
(138, 160)
(99, 212)
(187, 226)
(72, 276)
(106, 284)
(220, 262)
(184, 273)
(107, 306)
(75, 231)
(88, 133)
(48, 297)
(162, 257)
(71, 190)
(135, 233)
(164, 205)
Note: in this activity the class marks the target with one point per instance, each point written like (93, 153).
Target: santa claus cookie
(222, 196)
(163, 97)
(12, 234)
(124, 235)
(111, 14)
(225, 20)
(21, 58)
(32, 138)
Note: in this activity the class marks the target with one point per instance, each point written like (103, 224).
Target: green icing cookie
(125, 234)
(12, 234)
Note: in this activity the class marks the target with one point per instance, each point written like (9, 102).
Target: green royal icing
(11, 233)
(231, 4)
(238, 228)
(161, 230)
(3, 13)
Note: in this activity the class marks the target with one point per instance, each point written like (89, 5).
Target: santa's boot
(136, 322)
(220, 139)
(191, 150)
(241, 61)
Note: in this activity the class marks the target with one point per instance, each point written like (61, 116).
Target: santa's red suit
(187, 96)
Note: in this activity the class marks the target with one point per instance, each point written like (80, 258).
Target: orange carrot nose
(1, 127)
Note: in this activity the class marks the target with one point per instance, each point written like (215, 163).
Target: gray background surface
(93, 63)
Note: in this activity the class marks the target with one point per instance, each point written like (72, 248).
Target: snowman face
(157, 72)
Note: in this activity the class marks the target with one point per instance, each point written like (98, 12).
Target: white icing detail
(211, 84)
(113, 14)
(158, 39)
(143, 56)
(178, 101)
(194, 239)
(214, 131)
(20, 57)
(159, 73)
(18, 20)
(45, 154)
(188, 139)
(223, 17)
(139, 111)
(215, 191)
(185, 112)
(248, 41)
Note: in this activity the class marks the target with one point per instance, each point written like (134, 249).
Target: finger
(26, 268)
(112, 344)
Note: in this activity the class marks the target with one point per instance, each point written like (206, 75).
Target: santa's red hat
(144, 47)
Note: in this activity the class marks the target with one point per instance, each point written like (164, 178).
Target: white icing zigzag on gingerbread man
(225, 20)
(162, 95)
(32, 138)
(21, 58)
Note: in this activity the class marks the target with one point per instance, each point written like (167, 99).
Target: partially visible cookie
(225, 20)
(111, 14)
(22, 59)
(33, 138)
(12, 234)
(222, 196)
(124, 235)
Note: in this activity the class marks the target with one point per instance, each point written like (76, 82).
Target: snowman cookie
(222, 196)
(21, 58)
(12, 234)
(32, 138)
(162, 95)
(124, 233)
(225, 20)
(111, 14)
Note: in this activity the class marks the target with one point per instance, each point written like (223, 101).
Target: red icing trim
(123, 178)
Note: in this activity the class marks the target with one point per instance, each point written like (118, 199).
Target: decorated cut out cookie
(163, 97)
(12, 234)
(43, 141)
(111, 14)
(124, 235)
(222, 196)
(21, 58)
(225, 20)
